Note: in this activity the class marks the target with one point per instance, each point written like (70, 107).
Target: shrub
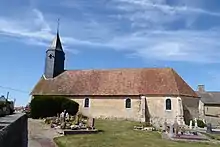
(2, 104)
(49, 106)
(200, 123)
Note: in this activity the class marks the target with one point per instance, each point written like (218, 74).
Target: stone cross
(190, 124)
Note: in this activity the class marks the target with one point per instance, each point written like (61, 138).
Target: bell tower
(55, 57)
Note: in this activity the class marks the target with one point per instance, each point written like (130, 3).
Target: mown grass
(121, 134)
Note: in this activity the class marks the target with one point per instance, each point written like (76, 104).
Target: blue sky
(183, 34)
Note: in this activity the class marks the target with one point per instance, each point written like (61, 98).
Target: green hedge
(48, 106)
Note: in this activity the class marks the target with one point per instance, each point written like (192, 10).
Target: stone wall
(210, 113)
(213, 110)
(190, 108)
(215, 121)
(110, 107)
(157, 110)
(14, 131)
(113, 107)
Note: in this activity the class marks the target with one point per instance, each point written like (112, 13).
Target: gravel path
(40, 135)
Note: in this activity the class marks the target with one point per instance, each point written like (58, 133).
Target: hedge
(49, 106)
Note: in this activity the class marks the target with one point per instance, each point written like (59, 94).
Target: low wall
(14, 131)
(215, 121)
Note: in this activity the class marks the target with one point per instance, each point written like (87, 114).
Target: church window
(168, 104)
(86, 102)
(128, 103)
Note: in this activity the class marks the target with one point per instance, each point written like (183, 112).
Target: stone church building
(140, 94)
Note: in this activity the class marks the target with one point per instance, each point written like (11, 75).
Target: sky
(181, 34)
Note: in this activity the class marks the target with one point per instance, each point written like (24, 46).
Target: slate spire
(56, 43)
(55, 56)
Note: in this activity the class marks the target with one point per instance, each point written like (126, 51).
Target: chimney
(201, 88)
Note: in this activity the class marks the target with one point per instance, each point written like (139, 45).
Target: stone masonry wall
(14, 131)
(114, 108)
(110, 107)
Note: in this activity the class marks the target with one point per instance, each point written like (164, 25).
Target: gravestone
(171, 131)
(203, 121)
(190, 124)
(209, 128)
(176, 127)
(196, 124)
(91, 122)
(165, 126)
(61, 116)
(67, 116)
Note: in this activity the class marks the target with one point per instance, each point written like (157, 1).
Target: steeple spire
(55, 57)
(58, 25)
(56, 43)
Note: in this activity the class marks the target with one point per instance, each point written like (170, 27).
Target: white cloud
(158, 14)
(158, 43)
(194, 46)
(36, 31)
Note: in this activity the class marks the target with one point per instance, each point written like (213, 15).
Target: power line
(13, 89)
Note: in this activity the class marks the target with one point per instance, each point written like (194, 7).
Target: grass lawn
(213, 136)
(121, 134)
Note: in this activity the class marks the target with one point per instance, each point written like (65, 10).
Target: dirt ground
(40, 135)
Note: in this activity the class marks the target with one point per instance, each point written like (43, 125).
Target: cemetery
(194, 133)
(75, 128)
(68, 125)
(129, 134)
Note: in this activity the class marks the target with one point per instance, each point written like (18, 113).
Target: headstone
(91, 122)
(63, 125)
(204, 121)
(176, 127)
(62, 115)
(209, 128)
(190, 124)
(165, 126)
(196, 125)
(77, 120)
(80, 125)
(67, 116)
(171, 131)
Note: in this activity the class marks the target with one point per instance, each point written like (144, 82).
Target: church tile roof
(139, 81)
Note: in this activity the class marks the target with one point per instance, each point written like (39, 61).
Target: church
(141, 94)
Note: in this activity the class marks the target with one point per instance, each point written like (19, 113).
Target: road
(40, 134)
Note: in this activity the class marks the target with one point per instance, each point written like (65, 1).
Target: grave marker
(209, 128)
(190, 124)
(91, 122)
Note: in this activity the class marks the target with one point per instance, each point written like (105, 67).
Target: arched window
(168, 104)
(128, 103)
(86, 102)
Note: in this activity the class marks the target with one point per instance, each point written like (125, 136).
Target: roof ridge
(121, 68)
